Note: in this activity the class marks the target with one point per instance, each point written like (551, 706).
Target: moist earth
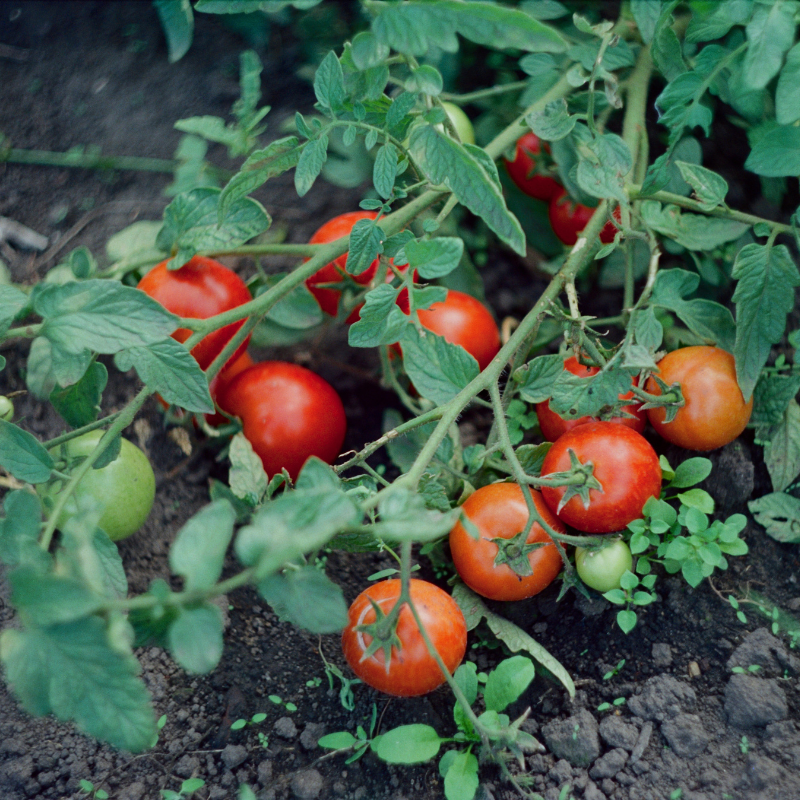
(97, 73)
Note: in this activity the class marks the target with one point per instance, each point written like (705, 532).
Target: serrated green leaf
(79, 404)
(329, 82)
(602, 171)
(445, 161)
(44, 600)
(648, 330)
(646, 14)
(366, 244)
(782, 454)
(408, 744)
(439, 370)
(199, 550)
(770, 33)
(776, 154)
(381, 320)
(195, 638)
(764, 296)
(714, 20)
(247, 477)
(177, 22)
(310, 163)
(709, 187)
(693, 231)
(20, 529)
(434, 258)
(168, 368)
(553, 122)
(779, 513)
(538, 376)
(71, 670)
(666, 49)
(787, 98)
(574, 397)
(384, 170)
(22, 455)
(307, 598)
(404, 516)
(12, 301)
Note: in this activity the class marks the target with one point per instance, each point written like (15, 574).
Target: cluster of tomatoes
(567, 218)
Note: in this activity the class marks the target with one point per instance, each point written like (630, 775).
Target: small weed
(290, 707)
(88, 788)
(744, 745)
(256, 719)
(751, 668)
(188, 788)
(611, 673)
(614, 703)
(314, 683)
(676, 794)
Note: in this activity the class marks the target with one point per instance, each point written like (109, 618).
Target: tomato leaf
(782, 454)
(537, 377)
(414, 27)
(716, 19)
(776, 154)
(307, 598)
(100, 315)
(193, 222)
(787, 103)
(693, 231)
(329, 83)
(763, 297)
(408, 744)
(366, 244)
(261, 165)
(198, 551)
(439, 370)
(384, 170)
(381, 320)
(709, 320)
(79, 404)
(772, 395)
(246, 476)
(574, 397)
(603, 166)
(709, 187)
(310, 164)
(553, 122)
(665, 47)
(12, 301)
(461, 778)
(177, 22)
(49, 599)
(770, 33)
(168, 368)
(22, 455)
(445, 161)
(195, 638)
(72, 671)
(20, 529)
(507, 681)
(434, 258)
(403, 515)
(779, 513)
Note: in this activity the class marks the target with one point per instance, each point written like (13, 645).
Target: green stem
(65, 437)
(49, 158)
(469, 97)
(125, 418)
(595, 68)
(303, 250)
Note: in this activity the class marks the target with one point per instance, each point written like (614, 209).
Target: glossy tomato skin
(333, 229)
(463, 320)
(288, 414)
(522, 169)
(553, 425)
(461, 122)
(568, 219)
(124, 488)
(412, 670)
(499, 511)
(626, 466)
(236, 365)
(200, 289)
(715, 412)
(601, 568)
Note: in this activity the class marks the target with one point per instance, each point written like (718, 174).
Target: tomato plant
(465, 321)
(410, 670)
(524, 168)
(626, 466)
(553, 425)
(124, 489)
(602, 567)
(220, 381)
(569, 218)
(715, 411)
(503, 570)
(288, 414)
(322, 284)
(201, 288)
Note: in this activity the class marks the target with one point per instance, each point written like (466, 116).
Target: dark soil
(97, 73)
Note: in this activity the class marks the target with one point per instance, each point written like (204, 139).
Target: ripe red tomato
(327, 297)
(499, 511)
(411, 671)
(715, 412)
(523, 169)
(288, 414)
(465, 321)
(626, 466)
(552, 425)
(200, 289)
(568, 219)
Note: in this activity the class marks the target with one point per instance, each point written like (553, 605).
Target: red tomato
(568, 219)
(327, 297)
(715, 412)
(200, 289)
(224, 377)
(626, 466)
(499, 511)
(523, 169)
(552, 425)
(411, 670)
(463, 320)
(288, 414)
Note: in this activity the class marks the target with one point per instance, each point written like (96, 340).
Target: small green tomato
(6, 408)
(125, 488)
(601, 568)
(461, 122)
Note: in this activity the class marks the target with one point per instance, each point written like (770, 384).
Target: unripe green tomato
(601, 568)
(461, 122)
(125, 488)
(6, 408)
